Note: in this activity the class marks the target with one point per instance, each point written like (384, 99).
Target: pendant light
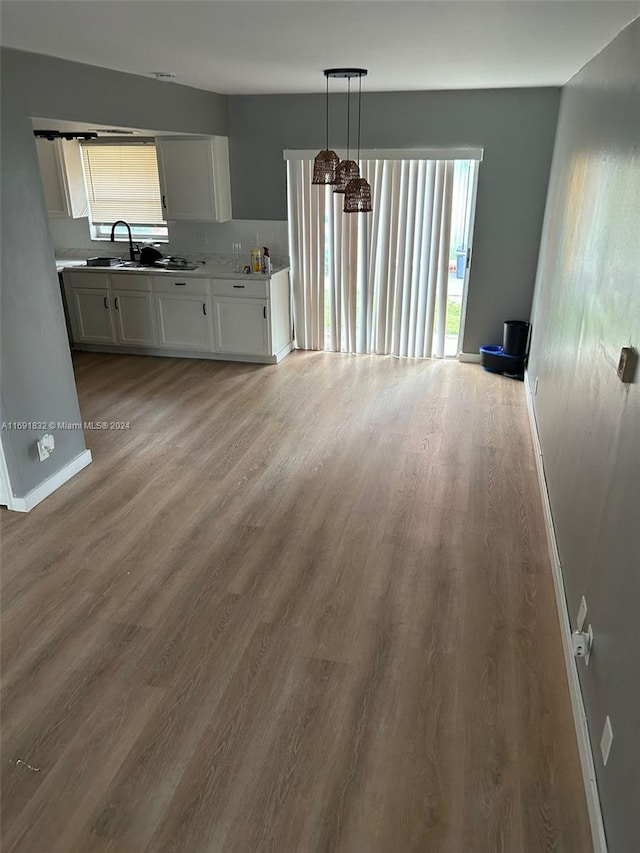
(347, 169)
(324, 167)
(357, 198)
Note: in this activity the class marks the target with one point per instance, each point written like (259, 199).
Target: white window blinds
(122, 183)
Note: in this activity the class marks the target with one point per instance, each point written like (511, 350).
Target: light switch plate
(627, 364)
(606, 741)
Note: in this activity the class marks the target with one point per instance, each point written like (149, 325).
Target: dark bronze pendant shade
(357, 197)
(324, 167)
(346, 170)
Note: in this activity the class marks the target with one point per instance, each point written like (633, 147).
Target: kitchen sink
(118, 263)
(162, 265)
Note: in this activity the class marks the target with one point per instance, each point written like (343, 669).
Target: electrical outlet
(580, 644)
(45, 446)
(606, 740)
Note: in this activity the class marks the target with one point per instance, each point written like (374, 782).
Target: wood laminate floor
(296, 608)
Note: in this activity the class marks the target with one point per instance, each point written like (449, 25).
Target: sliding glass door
(391, 281)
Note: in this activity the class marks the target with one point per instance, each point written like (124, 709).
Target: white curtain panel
(377, 282)
(307, 245)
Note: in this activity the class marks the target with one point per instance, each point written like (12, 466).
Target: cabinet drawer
(131, 281)
(86, 279)
(256, 288)
(177, 284)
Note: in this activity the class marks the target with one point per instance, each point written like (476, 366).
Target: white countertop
(202, 271)
(65, 265)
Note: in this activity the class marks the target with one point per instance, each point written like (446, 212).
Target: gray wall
(515, 127)
(587, 306)
(36, 373)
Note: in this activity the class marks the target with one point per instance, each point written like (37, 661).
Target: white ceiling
(248, 47)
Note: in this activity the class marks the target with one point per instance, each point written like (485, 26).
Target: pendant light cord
(327, 113)
(348, 113)
(359, 113)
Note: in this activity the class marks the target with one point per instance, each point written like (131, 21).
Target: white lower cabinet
(241, 318)
(105, 310)
(241, 325)
(184, 321)
(92, 320)
(133, 313)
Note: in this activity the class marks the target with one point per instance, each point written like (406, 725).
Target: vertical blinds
(386, 273)
(122, 183)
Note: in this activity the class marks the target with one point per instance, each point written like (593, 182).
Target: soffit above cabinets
(105, 131)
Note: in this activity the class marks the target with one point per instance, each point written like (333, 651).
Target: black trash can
(515, 337)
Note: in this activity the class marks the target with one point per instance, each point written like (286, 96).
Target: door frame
(469, 234)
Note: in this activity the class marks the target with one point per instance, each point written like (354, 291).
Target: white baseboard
(181, 353)
(577, 702)
(286, 349)
(469, 357)
(35, 496)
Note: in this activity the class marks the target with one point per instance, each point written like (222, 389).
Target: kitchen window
(122, 183)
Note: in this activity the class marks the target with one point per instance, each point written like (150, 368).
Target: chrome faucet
(132, 251)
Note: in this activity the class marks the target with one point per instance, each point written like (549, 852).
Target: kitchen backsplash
(193, 240)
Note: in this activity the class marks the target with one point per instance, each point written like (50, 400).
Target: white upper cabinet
(62, 177)
(194, 178)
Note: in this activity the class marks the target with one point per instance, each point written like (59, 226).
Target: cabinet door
(51, 178)
(133, 311)
(194, 177)
(62, 177)
(184, 321)
(93, 322)
(241, 325)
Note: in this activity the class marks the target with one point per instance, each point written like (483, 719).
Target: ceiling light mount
(345, 72)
